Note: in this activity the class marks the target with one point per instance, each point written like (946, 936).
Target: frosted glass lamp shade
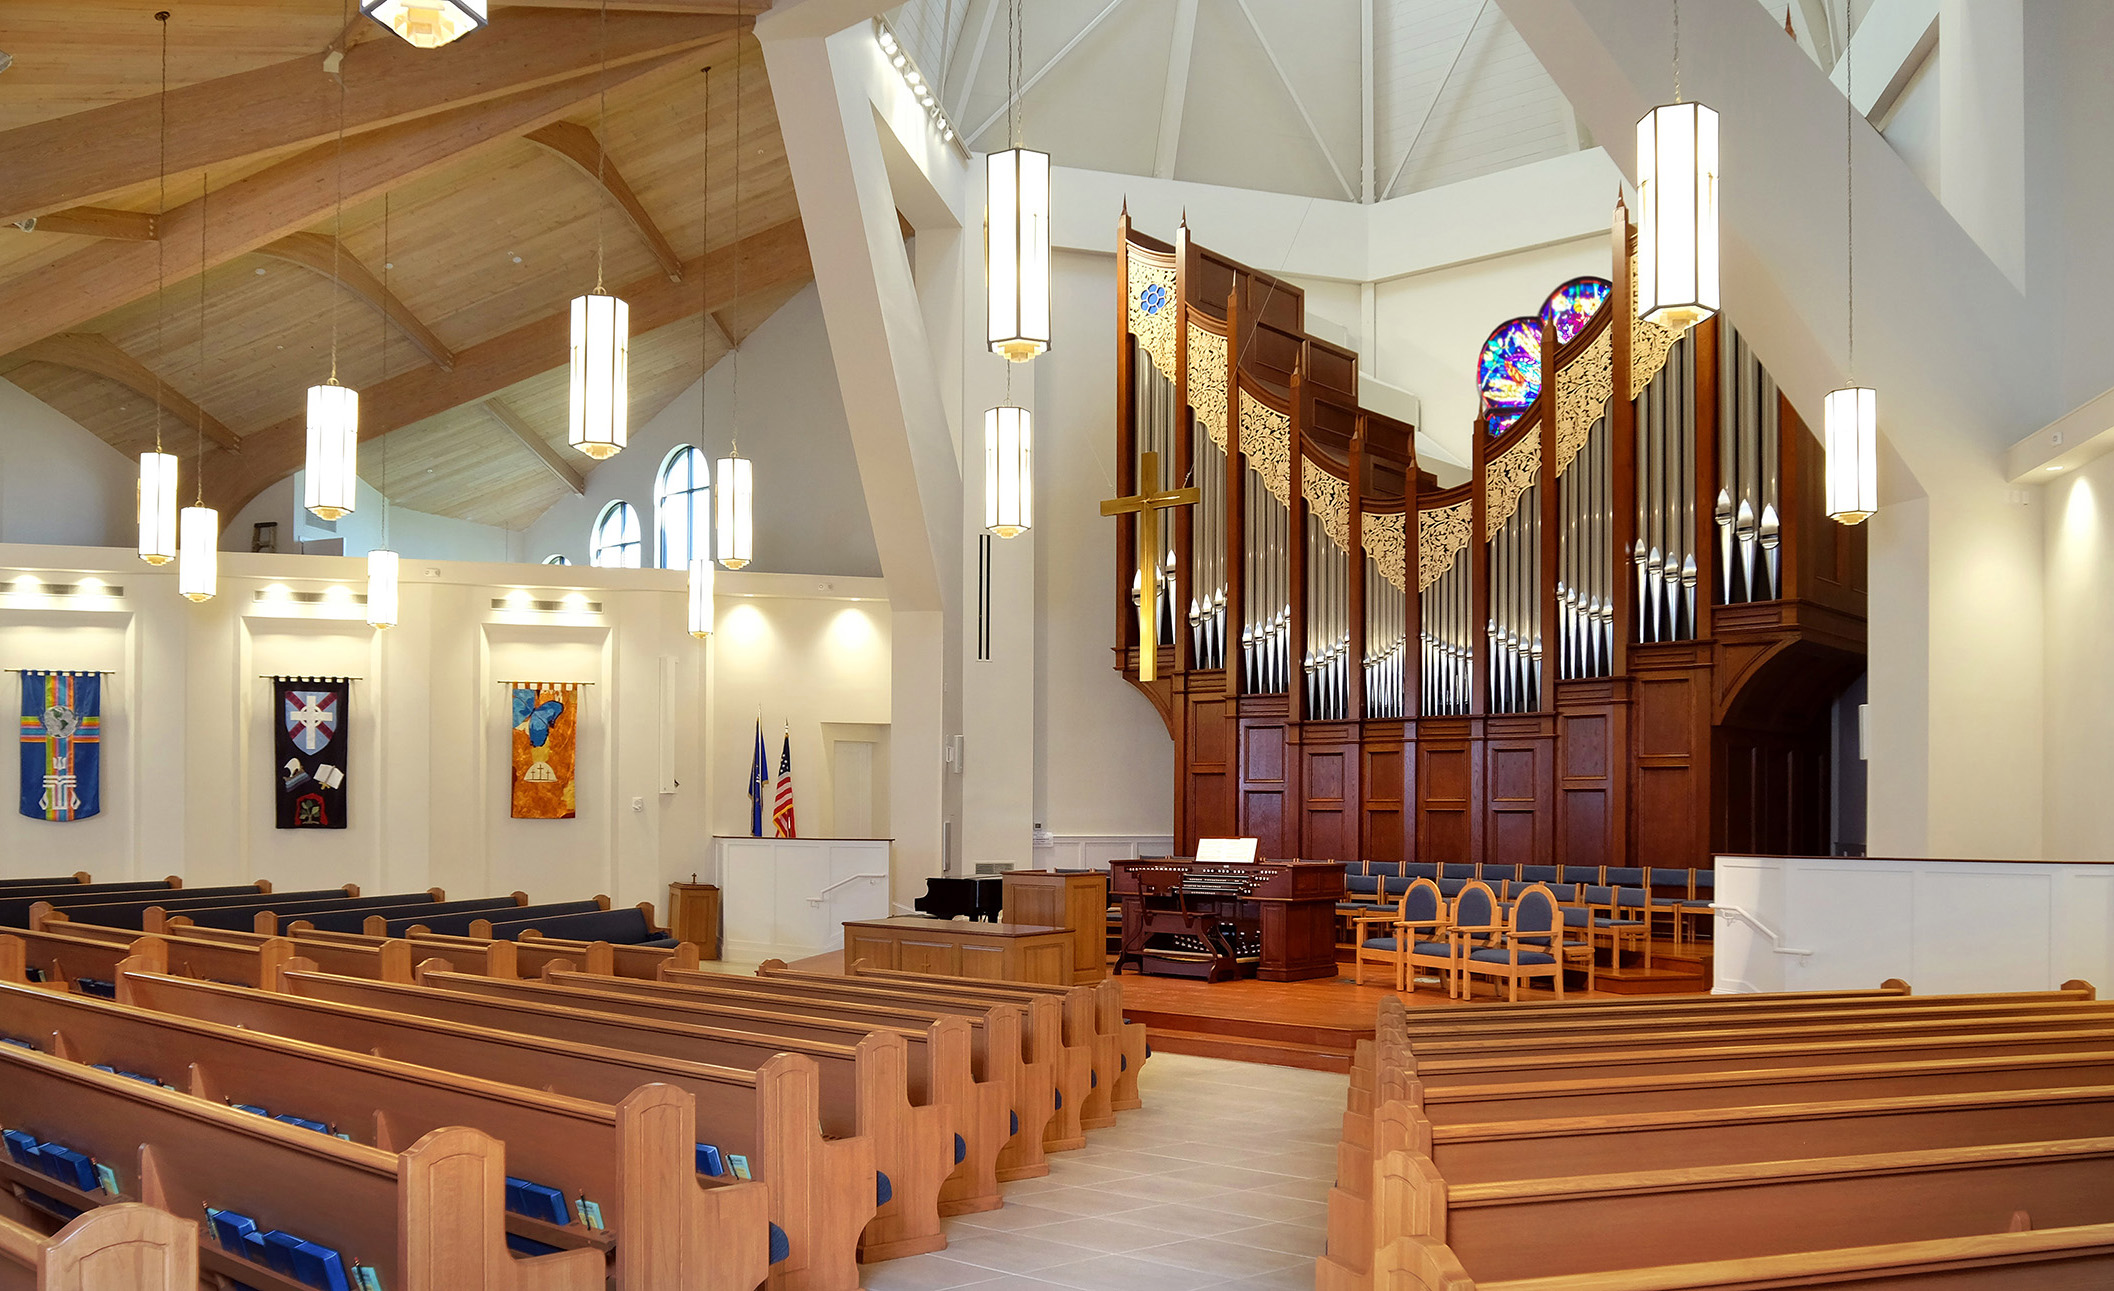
(601, 376)
(1851, 419)
(702, 575)
(1009, 471)
(736, 487)
(157, 508)
(1017, 252)
(381, 588)
(333, 476)
(1677, 223)
(428, 24)
(198, 553)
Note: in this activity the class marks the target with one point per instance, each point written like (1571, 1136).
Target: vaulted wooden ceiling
(476, 165)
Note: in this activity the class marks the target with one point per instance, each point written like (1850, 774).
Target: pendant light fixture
(1009, 470)
(1017, 228)
(735, 482)
(1850, 416)
(601, 333)
(382, 561)
(157, 470)
(1677, 202)
(702, 572)
(331, 481)
(428, 24)
(198, 528)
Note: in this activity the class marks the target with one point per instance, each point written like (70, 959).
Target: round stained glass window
(1153, 298)
(1509, 374)
(1571, 306)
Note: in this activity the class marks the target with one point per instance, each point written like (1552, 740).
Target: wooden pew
(999, 1051)
(16, 903)
(1132, 1046)
(637, 1158)
(255, 965)
(398, 925)
(431, 1218)
(953, 1053)
(821, 1191)
(126, 1245)
(149, 914)
(63, 960)
(1578, 1225)
(38, 884)
(385, 959)
(643, 963)
(865, 1086)
(941, 1071)
(2077, 1258)
(1816, 1031)
(266, 914)
(1060, 1030)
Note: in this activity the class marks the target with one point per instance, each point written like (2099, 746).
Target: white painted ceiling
(1271, 95)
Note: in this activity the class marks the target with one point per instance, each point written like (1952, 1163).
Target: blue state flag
(759, 783)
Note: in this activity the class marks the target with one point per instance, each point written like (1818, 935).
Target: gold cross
(1148, 507)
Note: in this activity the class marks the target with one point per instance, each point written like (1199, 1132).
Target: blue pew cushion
(961, 1149)
(883, 1191)
(781, 1249)
(1500, 955)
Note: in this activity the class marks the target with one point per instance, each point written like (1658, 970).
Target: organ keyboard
(1275, 920)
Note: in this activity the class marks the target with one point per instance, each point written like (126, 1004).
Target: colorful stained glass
(1571, 306)
(1153, 298)
(1500, 420)
(1509, 374)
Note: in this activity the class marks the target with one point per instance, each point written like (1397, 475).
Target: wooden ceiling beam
(719, 329)
(761, 262)
(325, 256)
(98, 355)
(567, 473)
(78, 158)
(281, 200)
(578, 145)
(95, 222)
(750, 8)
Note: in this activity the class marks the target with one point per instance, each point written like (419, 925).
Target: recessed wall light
(2055, 468)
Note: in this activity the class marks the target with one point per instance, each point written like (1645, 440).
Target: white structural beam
(1438, 92)
(1173, 98)
(971, 136)
(1298, 104)
(967, 86)
(1365, 101)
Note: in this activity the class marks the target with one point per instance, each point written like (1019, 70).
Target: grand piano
(982, 897)
(1273, 920)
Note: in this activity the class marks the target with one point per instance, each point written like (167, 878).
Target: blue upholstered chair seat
(1430, 949)
(1500, 955)
(1380, 943)
(1618, 923)
(1686, 904)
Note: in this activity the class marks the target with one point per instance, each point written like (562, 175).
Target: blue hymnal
(69, 1167)
(320, 1267)
(537, 1201)
(252, 1109)
(253, 1247)
(279, 1251)
(288, 1118)
(708, 1161)
(23, 1148)
(230, 1228)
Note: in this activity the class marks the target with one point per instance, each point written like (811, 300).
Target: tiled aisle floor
(1218, 1181)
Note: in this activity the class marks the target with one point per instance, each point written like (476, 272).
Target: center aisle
(1218, 1181)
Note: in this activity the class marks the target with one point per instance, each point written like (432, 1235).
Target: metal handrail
(823, 895)
(1777, 941)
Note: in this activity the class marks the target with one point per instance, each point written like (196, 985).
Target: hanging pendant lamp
(734, 480)
(702, 578)
(198, 527)
(601, 382)
(1016, 229)
(428, 24)
(1677, 204)
(1850, 416)
(331, 483)
(703, 574)
(157, 469)
(1009, 471)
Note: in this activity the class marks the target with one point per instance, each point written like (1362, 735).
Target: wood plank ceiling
(489, 234)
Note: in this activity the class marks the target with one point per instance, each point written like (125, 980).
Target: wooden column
(1355, 578)
(1551, 537)
(1236, 511)
(1295, 478)
(1703, 431)
(1622, 452)
(1479, 575)
(1126, 445)
(1183, 468)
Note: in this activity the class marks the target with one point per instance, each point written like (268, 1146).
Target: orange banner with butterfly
(546, 728)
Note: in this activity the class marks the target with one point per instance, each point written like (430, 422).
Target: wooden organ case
(1636, 665)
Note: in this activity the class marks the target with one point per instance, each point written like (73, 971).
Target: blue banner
(62, 737)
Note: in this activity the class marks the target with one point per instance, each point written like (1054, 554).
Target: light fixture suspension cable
(601, 141)
(704, 297)
(1849, 193)
(1014, 59)
(382, 441)
(205, 187)
(337, 222)
(161, 212)
(741, 81)
(1677, 51)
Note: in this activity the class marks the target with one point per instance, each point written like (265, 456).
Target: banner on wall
(546, 727)
(62, 734)
(313, 716)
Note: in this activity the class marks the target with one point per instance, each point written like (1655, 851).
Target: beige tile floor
(1219, 1181)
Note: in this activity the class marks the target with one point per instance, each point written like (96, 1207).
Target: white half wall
(58, 482)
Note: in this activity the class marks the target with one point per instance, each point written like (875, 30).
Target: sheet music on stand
(1226, 850)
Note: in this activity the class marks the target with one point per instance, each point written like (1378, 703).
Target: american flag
(782, 813)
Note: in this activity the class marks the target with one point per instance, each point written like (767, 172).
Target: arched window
(557, 558)
(682, 508)
(614, 542)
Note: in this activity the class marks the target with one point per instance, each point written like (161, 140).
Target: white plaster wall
(811, 516)
(58, 482)
(187, 783)
(2078, 526)
(414, 535)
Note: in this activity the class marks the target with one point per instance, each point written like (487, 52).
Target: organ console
(1618, 641)
(1275, 920)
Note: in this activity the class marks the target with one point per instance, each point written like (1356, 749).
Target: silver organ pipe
(1584, 591)
(1386, 643)
(1327, 648)
(1515, 609)
(1155, 424)
(1665, 555)
(1747, 517)
(1207, 552)
(1444, 611)
(1266, 635)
